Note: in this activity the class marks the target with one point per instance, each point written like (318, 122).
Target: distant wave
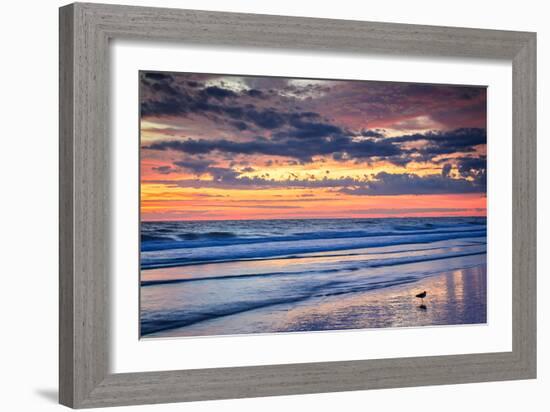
(278, 247)
(181, 237)
(153, 243)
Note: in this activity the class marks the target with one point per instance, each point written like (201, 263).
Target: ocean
(264, 276)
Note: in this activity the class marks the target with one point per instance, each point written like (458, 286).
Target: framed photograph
(266, 207)
(257, 205)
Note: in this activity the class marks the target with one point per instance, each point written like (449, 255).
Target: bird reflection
(421, 296)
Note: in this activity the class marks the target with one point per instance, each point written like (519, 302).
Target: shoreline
(454, 298)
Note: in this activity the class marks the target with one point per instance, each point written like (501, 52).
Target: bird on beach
(422, 296)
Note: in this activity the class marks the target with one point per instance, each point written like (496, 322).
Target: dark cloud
(289, 127)
(255, 93)
(196, 166)
(225, 178)
(474, 168)
(166, 107)
(306, 129)
(211, 101)
(381, 184)
(459, 140)
(290, 147)
(218, 93)
(165, 88)
(324, 139)
(471, 166)
(164, 170)
(157, 76)
(446, 169)
(160, 84)
(371, 133)
(223, 174)
(163, 96)
(267, 119)
(239, 125)
(405, 183)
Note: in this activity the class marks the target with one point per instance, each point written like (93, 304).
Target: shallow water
(455, 298)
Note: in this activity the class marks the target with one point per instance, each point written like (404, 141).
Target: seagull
(422, 296)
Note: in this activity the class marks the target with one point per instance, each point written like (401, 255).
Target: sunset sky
(240, 147)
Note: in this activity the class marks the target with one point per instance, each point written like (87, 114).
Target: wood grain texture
(524, 225)
(85, 31)
(84, 175)
(66, 229)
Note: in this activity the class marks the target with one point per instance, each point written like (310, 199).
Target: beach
(295, 276)
(454, 298)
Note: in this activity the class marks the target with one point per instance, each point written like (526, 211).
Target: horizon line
(319, 218)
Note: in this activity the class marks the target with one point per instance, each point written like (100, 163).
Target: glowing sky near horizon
(219, 147)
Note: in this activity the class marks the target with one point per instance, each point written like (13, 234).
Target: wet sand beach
(454, 298)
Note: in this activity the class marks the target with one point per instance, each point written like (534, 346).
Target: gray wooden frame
(85, 31)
